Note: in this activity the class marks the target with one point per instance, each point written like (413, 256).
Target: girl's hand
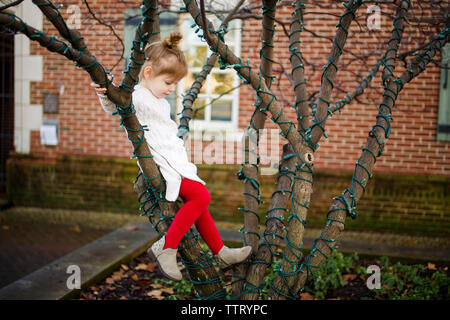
(98, 89)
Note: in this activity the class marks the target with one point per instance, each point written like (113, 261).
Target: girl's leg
(196, 200)
(207, 229)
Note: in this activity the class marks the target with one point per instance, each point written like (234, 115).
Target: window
(217, 103)
(443, 132)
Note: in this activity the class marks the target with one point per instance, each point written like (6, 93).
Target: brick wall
(85, 130)
(71, 183)
(392, 203)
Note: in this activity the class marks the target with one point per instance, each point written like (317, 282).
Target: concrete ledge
(411, 254)
(404, 253)
(95, 260)
(101, 257)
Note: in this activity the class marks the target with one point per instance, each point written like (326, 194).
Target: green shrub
(398, 281)
(330, 274)
(417, 282)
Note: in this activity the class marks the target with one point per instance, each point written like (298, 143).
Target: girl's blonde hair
(166, 57)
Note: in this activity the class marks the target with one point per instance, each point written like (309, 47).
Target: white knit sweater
(167, 149)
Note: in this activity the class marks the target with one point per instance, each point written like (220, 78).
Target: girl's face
(161, 85)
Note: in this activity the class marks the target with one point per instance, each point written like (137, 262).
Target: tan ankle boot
(166, 259)
(227, 257)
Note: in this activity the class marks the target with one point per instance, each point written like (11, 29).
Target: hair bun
(173, 40)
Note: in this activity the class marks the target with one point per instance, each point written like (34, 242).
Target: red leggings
(194, 210)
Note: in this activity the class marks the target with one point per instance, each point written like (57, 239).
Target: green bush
(183, 289)
(330, 274)
(417, 282)
(398, 281)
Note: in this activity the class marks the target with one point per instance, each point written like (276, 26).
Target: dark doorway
(6, 101)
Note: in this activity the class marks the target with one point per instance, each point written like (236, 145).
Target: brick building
(50, 91)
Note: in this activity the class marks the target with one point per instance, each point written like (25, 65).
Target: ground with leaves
(341, 277)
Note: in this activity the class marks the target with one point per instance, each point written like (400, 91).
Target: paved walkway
(31, 238)
(37, 246)
(25, 248)
(89, 264)
(99, 258)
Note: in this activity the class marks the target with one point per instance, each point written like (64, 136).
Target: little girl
(164, 67)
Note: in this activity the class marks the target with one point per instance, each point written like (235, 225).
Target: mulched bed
(138, 280)
(141, 280)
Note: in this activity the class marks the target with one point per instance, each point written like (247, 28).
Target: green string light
(349, 206)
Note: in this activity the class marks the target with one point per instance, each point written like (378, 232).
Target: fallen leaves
(158, 290)
(141, 266)
(156, 294)
(431, 266)
(306, 296)
(133, 281)
(349, 277)
(117, 275)
(146, 266)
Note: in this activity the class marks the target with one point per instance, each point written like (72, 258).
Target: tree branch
(344, 205)
(298, 68)
(349, 97)
(318, 126)
(53, 15)
(274, 234)
(249, 170)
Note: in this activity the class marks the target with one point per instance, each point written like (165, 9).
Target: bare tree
(295, 178)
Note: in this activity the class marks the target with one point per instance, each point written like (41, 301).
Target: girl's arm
(107, 104)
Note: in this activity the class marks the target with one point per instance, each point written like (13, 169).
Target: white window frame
(443, 123)
(211, 125)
